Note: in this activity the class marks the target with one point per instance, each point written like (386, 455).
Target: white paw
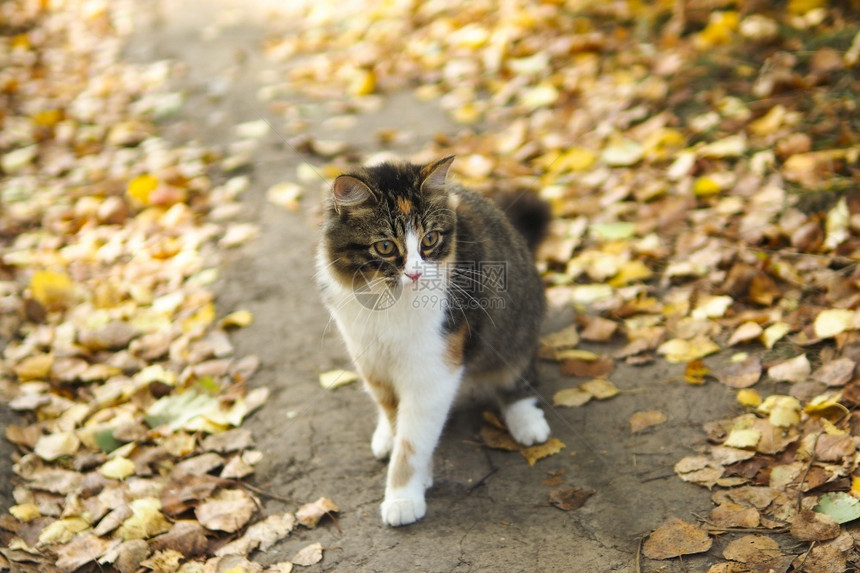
(383, 441)
(526, 422)
(403, 510)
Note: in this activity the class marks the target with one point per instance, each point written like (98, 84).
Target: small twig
(637, 564)
(805, 555)
(265, 493)
(716, 529)
(654, 478)
(493, 469)
(806, 473)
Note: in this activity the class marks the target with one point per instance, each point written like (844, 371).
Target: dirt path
(488, 509)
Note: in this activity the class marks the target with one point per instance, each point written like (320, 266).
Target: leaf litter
(691, 218)
(113, 347)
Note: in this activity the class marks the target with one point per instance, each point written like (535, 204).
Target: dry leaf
(809, 525)
(534, 453)
(310, 513)
(228, 510)
(308, 555)
(795, 369)
(600, 388)
(695, 372)
(571, 397)
(740, 374)
(569, 498)
(674, 538)
(336, 378)
(640, 421)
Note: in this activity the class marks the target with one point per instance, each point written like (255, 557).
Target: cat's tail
(528, 213)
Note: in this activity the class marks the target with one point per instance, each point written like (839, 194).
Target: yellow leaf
(784, 411)
(833, 321)
(48, 117)
(363, 84)
(25, 512)
(705, 186)
(36, 367)
(574, 159)
(238, 319)
(855, 486)
(719, 30)
(600, 388)
(534, 453)
(773, 333)
(695, 372)
(743, 438)
(53, 290)
(801, 7)
(146, 520)
(62, 530)
(200, 319)
(712, 307)
(571, 397)
(679, 351)
(335, 378)
(749, 397)
(117, 468)
(629, 272)
(140, 188)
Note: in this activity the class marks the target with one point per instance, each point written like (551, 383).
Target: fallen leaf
(336, 378)
(680, 351)
(695, 372)
(62, 530)
(570, 497)
(795, 369)
(599, 329)
(310, 513)
(308, 555)
(262, 535)
(674, 538)
(833, 321)
(748, 397)
(146, 520)
(186, 536)
(745, 332)
(752, 549)
(571, 397)
(53, 446)
(166, 560)
(228, 510)
(640, 421)
(600, 388)
(840, 506)
(835, 373)
(237, 319)
(534, 453)
(740, 374)
(811, 526)
(603, 366)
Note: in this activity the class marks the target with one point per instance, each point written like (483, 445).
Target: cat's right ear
(349, 191)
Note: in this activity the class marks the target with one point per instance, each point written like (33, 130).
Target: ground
(317, 442)
(488, 510)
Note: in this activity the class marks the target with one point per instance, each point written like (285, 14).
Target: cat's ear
(433, 175)
(349, 191)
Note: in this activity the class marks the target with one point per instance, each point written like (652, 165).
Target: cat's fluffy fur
(435, 294)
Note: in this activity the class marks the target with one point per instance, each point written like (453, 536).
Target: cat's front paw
(403, 510)
(526, 422)
(383, 441)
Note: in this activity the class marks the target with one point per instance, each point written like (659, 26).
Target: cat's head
(390, 225)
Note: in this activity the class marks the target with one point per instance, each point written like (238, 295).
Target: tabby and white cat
(435, 294)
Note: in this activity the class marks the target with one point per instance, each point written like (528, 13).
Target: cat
(436, 295)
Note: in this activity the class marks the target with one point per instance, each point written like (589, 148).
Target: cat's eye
(384, 248)
(430, 239)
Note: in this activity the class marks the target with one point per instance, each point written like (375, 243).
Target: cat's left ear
(433, 175)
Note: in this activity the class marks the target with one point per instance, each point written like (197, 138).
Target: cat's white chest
(389, 338)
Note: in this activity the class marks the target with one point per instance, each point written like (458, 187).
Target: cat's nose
(414, 276)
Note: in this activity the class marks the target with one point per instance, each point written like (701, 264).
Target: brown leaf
(84, 548)
(834, 448)
(570, 497)
(228, 510)
(185, 492)
(262, 535)
(588, 369)
(534, 453)
(695, 372)
(640, 421)
(498, 439)
(310, 513)
(751, 548)
(740, 374)
(599, 329)
(308, 555)
(186, 536)
(674, 538)
(734, 515)
(229, 441)
(835, 373)
(812, 526)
